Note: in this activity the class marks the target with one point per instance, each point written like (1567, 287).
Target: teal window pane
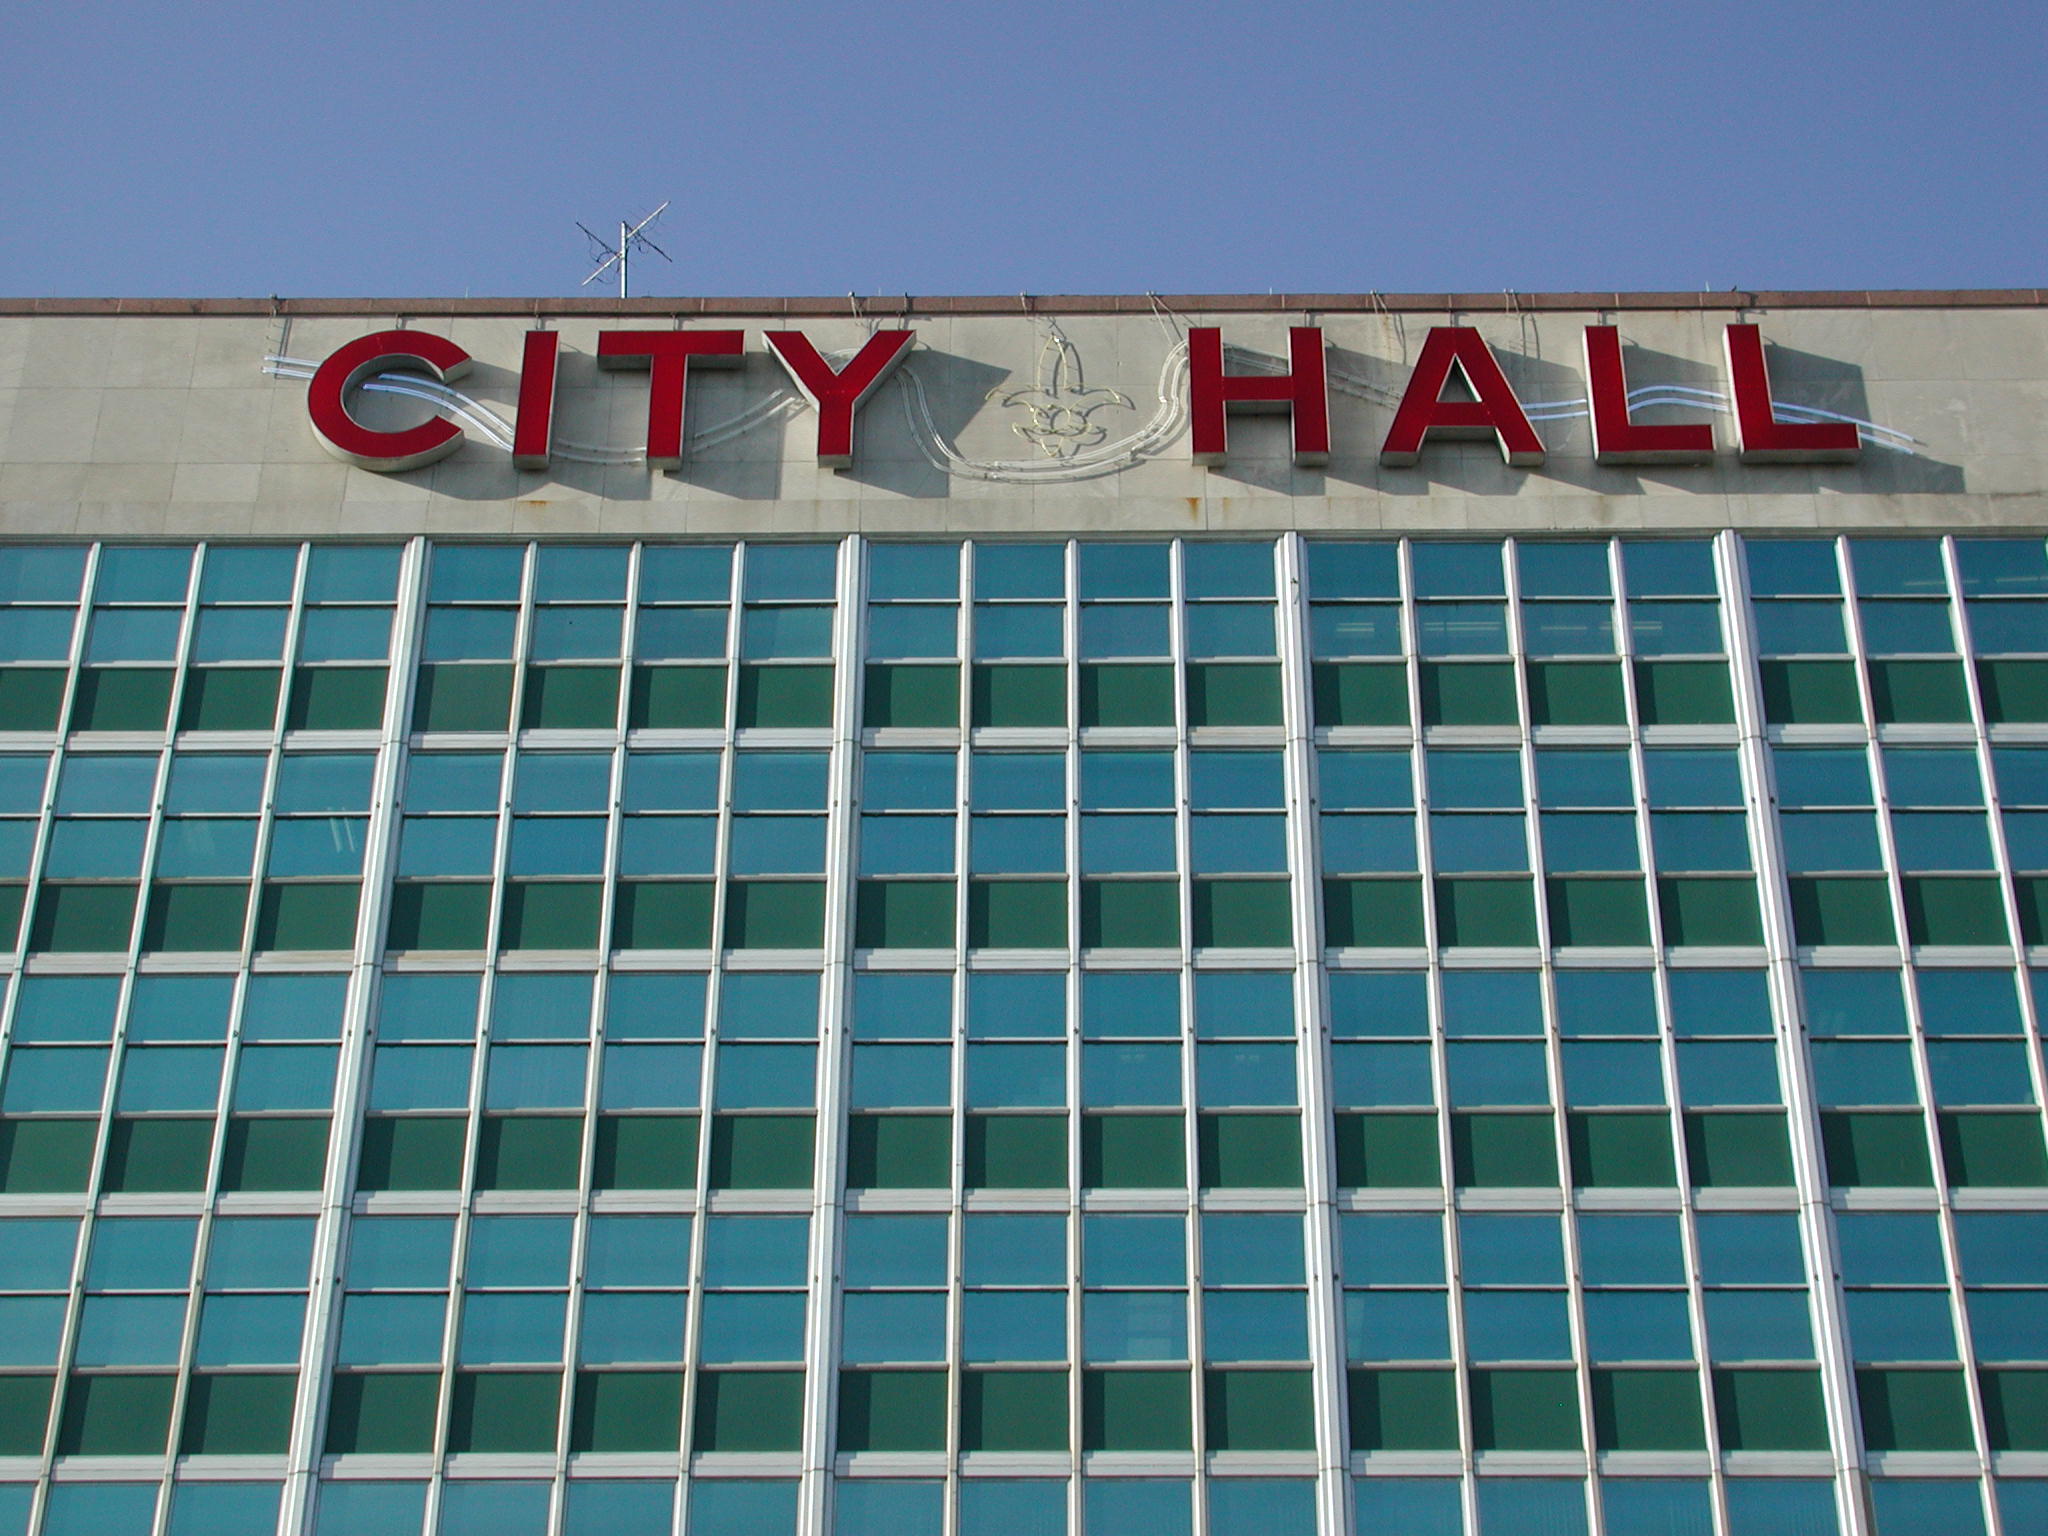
(1017, 1250)
(636, 1251)
(765, 1005)
(1134, 1325)
(250, 1330)
(735, 1507)
(518, 1251)
(224, 1509)
(501, 1328)
(1013, 1325)
(1016, 1076)
(649, 1005)
(743, 1326)
(1133, 1250)
(1637, 1325)
(878, 1328)
(258, 1252)
(130, 1330)
(1247, 1249)
(399, 1251)
(756, 1250)
(651, 1077)
(1117, 1506)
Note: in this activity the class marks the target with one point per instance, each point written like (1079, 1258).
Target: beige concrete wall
(134, 425)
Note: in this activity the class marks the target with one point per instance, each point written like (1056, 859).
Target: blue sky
(958, 146)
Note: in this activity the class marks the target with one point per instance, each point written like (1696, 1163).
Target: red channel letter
(1495, 414)
(1303, 392)
(347, 366)
(1761, 436)
(836, 396)
(533, 429)
(667, 354)
(1618, 440)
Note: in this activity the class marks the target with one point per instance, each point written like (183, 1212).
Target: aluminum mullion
(1447, 1201)
(1553, 1045)
(1191, 1150)
(1329, 1377)
(714, 981)
(1070, 641)
(380, 841)
(821, 1323)
(1802, 1118)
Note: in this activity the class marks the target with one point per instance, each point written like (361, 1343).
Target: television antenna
(618, 255)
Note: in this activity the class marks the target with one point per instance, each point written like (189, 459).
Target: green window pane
(24, 1414)
(1133, 1152)
(1404, 1410)
(677, 698)
(503, 1411)
(1684, 693)
(1136, 1411)
(903, 914)
(157, 1156)
(121, 699)
(46, 1157)
(899, 1151)
(1233, 693)
(912, 696)
(1141, 695)
(1504, 1151)
(1243, 914)
(788, 697)
(1953, 910)
(308, 916)
(749, 1411)
(1469, 693)
(462, 698)
(2016, 1409)
(31, 698)
(1258, 1411)
(2032, 894)
(385, 1414)
(229, 699)
(1842, 911)
(1525, 1411)
(1576, 693)
(2013, 691)
(12, 899)
(1249, 1151)
(272, 1155)
(662, 914)
(1879, 1149)
(1485, 913)
(1372, 913)
(570, 699)
(1648, 1411)
(1914, 1411)
(1013, 1411)
(195, 917)
(1596, 912)
(116, 1416)
(529, 1152)
(774, 914)
(1918, 691)
(761, 1151)
(892, 1411)
(1130, 914)
(551, 914)
(1709, 911)
(1364, 693)
(645, 1152)
(2002, 1151)
(627, 1411)
(439, 916)
(1020, 696)
(1621, 1151)
(1017, 914)
(1738, 1151)
(1017, 1151)
(1388, 1152)
(410, 1152)
(238, 1416)
(80, 918)
(336, 699)
(1811, 693)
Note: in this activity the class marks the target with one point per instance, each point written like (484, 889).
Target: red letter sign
(667, 354)
(1762, 437)
(1496, 413)
(352, 442)
(1616, 439)
(533, 431)
(836, 396)
(1212, 392)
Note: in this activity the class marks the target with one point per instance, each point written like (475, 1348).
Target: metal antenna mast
(619, 254)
